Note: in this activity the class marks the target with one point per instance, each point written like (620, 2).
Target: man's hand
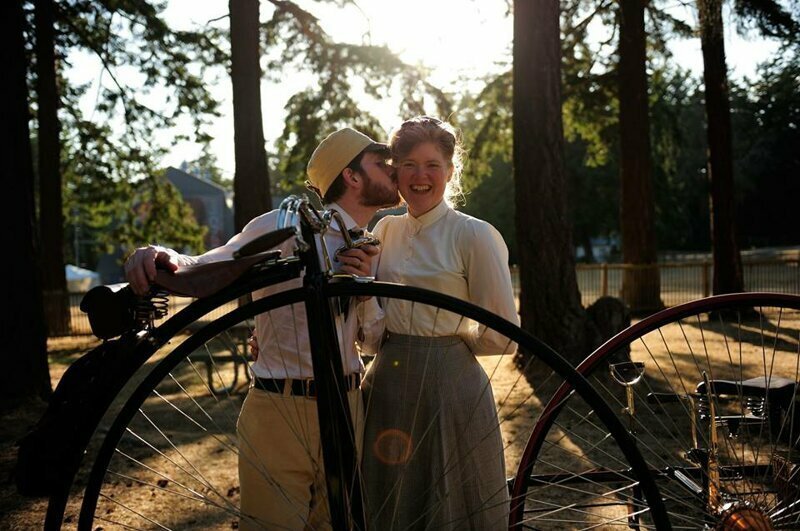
(141, 266)
(358, 261)
(252, 342)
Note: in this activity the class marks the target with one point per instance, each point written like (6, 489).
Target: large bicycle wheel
(708, 389)
(170, 460)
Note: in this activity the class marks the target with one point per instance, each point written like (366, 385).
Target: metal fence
(79, 322)
(680, 282)
(685, 281)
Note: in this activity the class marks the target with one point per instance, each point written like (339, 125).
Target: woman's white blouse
(450, 252)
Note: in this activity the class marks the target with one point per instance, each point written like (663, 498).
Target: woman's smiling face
(422, 177)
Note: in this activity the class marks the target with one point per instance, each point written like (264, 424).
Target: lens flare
(393, 447)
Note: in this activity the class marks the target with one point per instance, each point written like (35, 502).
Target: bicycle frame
(340, 459)
(346, 506)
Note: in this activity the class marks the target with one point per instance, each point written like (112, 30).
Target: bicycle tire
(635, 472)
(264, 275)
(729, 338)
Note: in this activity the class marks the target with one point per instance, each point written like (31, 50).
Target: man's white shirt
(282, 333)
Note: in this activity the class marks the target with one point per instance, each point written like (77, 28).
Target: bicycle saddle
(775, 387)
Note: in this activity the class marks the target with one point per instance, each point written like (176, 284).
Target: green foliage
(678, 136)
(103, 171)
(678, 143)
(110, 180)
(769, 17)
(143, 60)
(487, 132)
(590, 128)
(158, 215)
(487, 179)
(346, 75)
(592, 193)
(129, 36)
(663, 27)
(103, 179)
(767, 167)
(590, 117)
(492, 200)
(310, 116)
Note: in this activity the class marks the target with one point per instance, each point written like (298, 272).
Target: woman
(433, 455)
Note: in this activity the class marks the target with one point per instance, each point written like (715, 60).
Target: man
(280, 458)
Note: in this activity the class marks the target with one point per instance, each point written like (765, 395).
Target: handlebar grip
(357, 243)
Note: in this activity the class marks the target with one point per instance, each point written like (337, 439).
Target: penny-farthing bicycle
(164, 454)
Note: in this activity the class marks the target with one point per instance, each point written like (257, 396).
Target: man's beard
(377, 195)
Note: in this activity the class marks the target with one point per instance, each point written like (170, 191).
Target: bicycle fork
(713, 497)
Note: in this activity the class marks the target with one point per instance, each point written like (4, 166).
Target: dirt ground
(520, 399)
(17, 512)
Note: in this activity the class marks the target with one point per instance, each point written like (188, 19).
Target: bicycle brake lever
(367, 239)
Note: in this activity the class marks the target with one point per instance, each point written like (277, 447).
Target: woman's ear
(451, 170)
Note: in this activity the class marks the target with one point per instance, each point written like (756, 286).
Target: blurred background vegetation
(93, 183)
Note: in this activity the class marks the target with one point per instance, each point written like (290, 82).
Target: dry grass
(572, 444)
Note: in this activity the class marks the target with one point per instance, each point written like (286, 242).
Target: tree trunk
(641, 287)
(725, 247)
(585, 241)
(24, 343)
(251, 195)
(550, 304)
(51, 216)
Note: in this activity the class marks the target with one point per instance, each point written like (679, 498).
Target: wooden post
(603, 279)
(706, 280)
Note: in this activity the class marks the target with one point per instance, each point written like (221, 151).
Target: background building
(211, 204)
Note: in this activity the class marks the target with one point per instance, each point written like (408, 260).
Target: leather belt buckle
(309, 388)
(352, 381)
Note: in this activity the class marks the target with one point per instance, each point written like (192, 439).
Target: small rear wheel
(709, 391)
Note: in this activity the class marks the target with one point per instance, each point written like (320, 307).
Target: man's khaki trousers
(281, 472)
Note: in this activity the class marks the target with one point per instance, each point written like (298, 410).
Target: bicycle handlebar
(266, 242)
(114, 310)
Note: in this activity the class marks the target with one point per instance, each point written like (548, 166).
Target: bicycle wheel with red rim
(708, 389)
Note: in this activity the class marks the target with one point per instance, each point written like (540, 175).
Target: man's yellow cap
(334, 154)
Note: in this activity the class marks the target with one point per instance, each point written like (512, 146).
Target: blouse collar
(429, 217)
